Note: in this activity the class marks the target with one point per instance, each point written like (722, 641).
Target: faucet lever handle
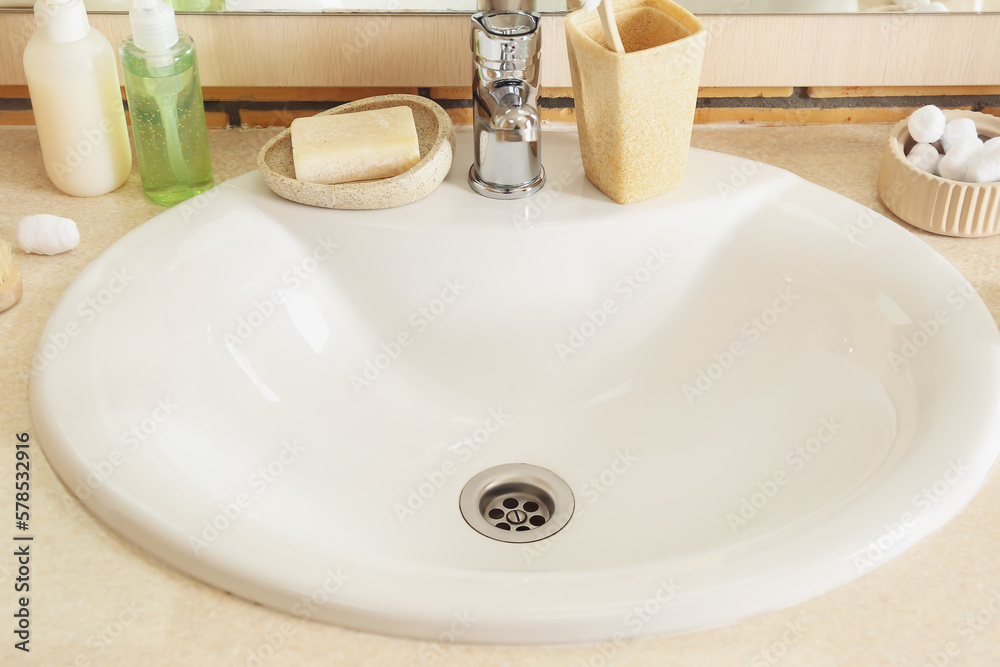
(505, 37)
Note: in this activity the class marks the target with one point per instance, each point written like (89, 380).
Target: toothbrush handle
(607, 13)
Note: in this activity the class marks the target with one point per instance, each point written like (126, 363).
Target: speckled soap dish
(933, 203)
(435, 133)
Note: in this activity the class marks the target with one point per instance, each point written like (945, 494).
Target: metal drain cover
(517, 502)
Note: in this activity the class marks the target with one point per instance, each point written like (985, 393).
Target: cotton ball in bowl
(45, 234)
(985, 168)
(925, 157)
(956, 161)
(960, 128)
(926, 124)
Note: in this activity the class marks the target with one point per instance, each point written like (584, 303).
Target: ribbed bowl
(936, 204)
(435, 134)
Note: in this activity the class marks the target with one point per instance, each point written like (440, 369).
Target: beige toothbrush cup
(635, 110)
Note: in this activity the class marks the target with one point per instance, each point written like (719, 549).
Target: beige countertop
(96, 600)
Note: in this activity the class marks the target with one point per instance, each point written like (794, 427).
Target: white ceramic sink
(756, 390)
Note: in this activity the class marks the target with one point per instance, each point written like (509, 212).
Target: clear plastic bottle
(166, 107)
(76, 99)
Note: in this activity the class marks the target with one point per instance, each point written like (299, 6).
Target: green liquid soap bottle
(165, 104)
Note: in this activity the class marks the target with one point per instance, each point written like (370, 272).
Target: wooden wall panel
(433, 50)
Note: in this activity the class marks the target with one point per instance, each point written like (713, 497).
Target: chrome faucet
(507, 132)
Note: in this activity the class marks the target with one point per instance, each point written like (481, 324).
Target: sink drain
(517, 502)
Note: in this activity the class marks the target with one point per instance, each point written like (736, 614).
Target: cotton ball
(956, 161)
(985, 168)
(929, 9)
(992, 144)
(924, 156)
(46, 234)
(926, 124)
(960, 128)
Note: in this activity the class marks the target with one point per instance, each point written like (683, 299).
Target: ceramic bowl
(933, 203)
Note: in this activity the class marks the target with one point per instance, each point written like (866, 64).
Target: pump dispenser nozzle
(154, 27)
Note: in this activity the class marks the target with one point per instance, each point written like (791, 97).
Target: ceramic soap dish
(436, 136)
(933, 203)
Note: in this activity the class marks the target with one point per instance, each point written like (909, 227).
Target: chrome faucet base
(494, 191)
(506, 124)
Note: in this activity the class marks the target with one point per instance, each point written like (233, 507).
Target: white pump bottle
(75, 95)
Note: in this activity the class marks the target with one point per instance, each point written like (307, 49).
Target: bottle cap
(61, 21)
(154, 28)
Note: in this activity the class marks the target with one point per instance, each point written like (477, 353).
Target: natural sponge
(340, 148)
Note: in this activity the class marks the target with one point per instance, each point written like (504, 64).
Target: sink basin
(750, 390)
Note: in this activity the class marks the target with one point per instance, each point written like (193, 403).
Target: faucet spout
(507, 162)
(514, 118)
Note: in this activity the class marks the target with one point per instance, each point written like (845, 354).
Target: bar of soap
(360, 146)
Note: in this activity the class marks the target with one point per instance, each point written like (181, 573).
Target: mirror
(543, 6)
